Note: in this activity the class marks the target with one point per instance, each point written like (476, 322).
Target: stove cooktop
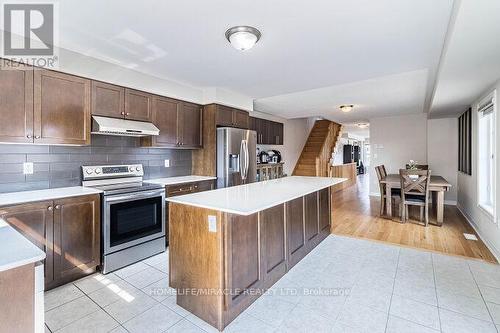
(112, 189)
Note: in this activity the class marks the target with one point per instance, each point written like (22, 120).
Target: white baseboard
(450, 202)
(374, 194)
(474, 226)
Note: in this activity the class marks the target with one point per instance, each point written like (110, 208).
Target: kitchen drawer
(187, 188)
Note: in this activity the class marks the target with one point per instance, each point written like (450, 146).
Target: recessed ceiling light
(243, 37)
(346, 108)
(363, 125)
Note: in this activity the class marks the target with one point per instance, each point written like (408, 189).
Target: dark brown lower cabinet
(272, 240)
(67, 230)
(311, 220)
(295, 231)
(324, 212)
(77, 237)
(242, 257)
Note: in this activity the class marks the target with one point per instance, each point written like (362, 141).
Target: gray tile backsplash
(60, 166)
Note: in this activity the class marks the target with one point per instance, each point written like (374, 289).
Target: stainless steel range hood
(122, 127)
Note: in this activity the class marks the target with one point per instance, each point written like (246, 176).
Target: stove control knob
(131, 169)
(88, 171)
(97, 170)
(137, 168)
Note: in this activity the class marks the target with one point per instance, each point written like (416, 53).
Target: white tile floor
(344, 285)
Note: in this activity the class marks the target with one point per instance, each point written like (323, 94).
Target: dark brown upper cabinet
(114, 101)
(138, 105)
(190, 125)
(16, 102)
(231, 117)
(179, 124)
(61, 108)
(108, 100)
(268, 132)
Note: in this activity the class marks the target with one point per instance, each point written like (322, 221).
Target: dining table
(437, 186)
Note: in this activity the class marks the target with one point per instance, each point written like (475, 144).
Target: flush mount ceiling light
(243, 37)
(363, 125)
(346, 108)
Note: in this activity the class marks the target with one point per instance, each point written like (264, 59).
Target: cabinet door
(240, 119)
(266, 128)
(224, 116)
(259, 128)
(277, 133)
(165, 117)
(272, 235)
(252, 125)
(61, 108)
(138, 105)
(76, 237)
(190, 131)
(243, 261)
(311, 219)
(324, 212)
(295, 231)
(35, 222)
(16, 102)
(108, 100)
(205, 185)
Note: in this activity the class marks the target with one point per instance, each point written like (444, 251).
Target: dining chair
(419, 167)
(395, 193)
(415, 192)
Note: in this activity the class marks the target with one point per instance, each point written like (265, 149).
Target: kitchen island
(227, 246)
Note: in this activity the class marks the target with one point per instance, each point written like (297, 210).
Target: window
(486, 153)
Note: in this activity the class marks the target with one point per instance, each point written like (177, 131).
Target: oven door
(131, 219)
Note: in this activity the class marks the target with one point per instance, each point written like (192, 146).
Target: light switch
(28, 168)
(212, 223)
(167, 163)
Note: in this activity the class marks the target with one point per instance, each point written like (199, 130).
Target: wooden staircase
(315, 157)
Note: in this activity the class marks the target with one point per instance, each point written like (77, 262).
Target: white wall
(395, 141)
(295, 135)
(484, 224)
(442, 152)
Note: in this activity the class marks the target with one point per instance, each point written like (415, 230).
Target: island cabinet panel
(76, 237)
(61, 108)
(16, 103)
(243, 264)
(108, 100)
(324, 213)
(35, 221)
(296, 242)
(197, 261)
(311, 219)
(273, 243)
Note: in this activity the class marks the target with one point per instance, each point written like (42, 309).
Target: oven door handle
(135, 196)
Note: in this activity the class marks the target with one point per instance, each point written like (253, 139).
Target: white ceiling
(305, 44)
(471, 63)
(383, 56)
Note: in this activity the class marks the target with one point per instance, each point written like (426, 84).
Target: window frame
(489, 210)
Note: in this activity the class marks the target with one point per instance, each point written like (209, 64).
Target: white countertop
(252, 198)
(14, 198)
(16, 250)
(178, 180)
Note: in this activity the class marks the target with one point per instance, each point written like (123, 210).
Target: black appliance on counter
(263, 157)
(274, 156)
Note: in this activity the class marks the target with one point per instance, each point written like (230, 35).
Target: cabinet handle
(127, 114)
(50, 208)
(29, 136)
(58, 206)
(37, 136)
(122, 113)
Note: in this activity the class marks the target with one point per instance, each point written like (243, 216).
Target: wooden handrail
(325, 154)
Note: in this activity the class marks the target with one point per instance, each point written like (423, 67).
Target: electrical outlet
(212, 223)
(28, 168)
(167, 163)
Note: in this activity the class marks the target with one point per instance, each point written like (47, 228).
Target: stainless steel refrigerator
(236, 156)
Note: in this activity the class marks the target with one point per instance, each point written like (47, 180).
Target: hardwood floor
(356, 214)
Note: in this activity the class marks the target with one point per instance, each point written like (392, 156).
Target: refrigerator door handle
(247, 159)
(242, 162)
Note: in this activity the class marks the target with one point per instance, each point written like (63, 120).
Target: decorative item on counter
(263, 157)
